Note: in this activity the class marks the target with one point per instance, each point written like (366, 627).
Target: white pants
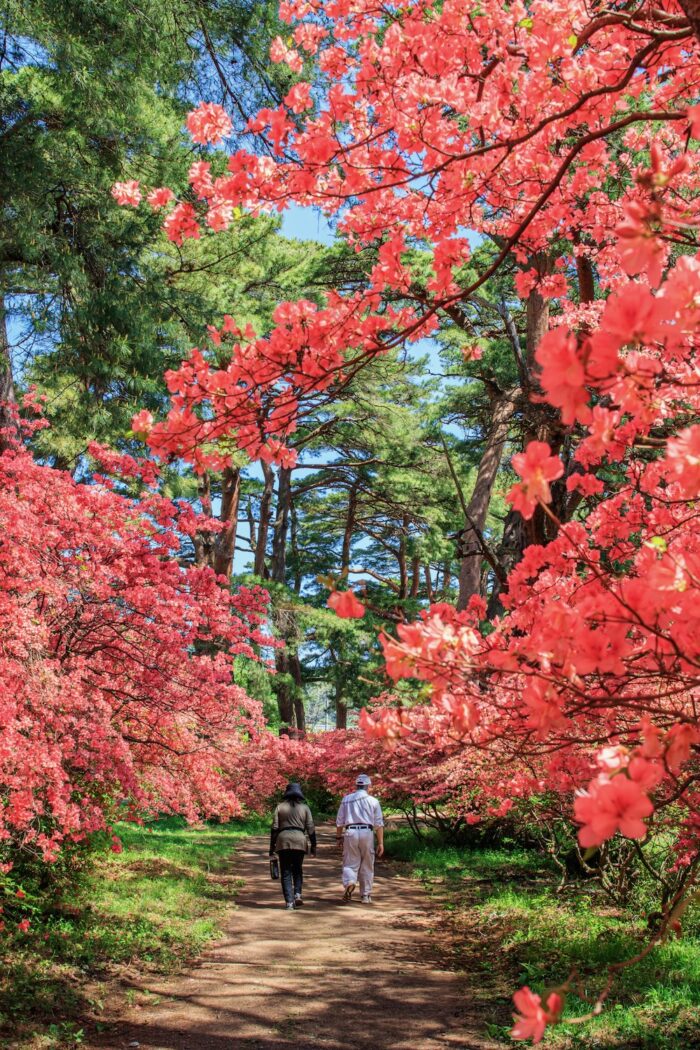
(358, 859)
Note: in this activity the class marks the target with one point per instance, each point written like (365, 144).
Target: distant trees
(98, 304)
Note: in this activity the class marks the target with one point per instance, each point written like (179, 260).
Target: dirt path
(328, 976)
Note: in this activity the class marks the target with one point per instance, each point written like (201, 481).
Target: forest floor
(328, 976)
(510, 923)
(98, 929)
(182, 942)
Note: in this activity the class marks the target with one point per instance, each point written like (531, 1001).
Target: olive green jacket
(291, 825)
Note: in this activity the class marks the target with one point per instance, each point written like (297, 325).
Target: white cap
(363, 781)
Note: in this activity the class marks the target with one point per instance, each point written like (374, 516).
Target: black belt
(362, 827)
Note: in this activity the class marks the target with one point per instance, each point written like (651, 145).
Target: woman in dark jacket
(291, 825)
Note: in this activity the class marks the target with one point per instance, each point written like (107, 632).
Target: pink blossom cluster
(103, 635)
(209, 123)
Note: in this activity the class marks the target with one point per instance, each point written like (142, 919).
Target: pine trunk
(279, 535)
(403, 564)
(415, 577)
(203, 541)
(259, 565)
(541, 423)
(428, 583)
(341, 710)
(288, 684)
(349, 528)
(10, 433)
(299, 712)
(225, 542)
(470, 572)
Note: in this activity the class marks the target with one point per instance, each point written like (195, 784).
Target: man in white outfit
(360, 816)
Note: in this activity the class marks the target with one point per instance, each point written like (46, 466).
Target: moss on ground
(152, 907)
(508, 926)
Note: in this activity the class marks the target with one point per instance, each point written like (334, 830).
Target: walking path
(325, 977)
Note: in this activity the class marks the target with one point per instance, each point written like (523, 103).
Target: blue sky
(306, 224)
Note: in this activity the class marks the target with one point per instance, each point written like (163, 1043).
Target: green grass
(150, 908)
(509, 927)
(157, 904)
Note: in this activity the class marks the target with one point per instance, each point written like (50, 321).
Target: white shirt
(360, 808)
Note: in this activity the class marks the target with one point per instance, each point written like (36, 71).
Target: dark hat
(293, 791)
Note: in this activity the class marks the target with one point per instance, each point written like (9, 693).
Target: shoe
(365, 898)
(290, 906)
(349, 890)
(298, 902)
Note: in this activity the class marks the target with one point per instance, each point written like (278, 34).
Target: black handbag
(274, 868)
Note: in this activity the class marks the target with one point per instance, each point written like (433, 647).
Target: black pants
(291, 864)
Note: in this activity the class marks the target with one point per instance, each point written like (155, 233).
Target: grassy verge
(509, 927)
(151, 908)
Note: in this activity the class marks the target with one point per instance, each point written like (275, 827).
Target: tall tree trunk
(541, 423)
(341, 709)
(288, 685)
(10, 433)
(252, 527)
(279, 535)
(428, 582)
(259, 566)
(502, 407)
(401, 556)
(225, 542)
(299, 712)
(415, 577)
(510, 551)
(287, 682)
(586, 281)
(203, 541)
(284, 681)
(537, 323)
(446, 576)
(294, 536)
(349, 527)
(284, 690)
